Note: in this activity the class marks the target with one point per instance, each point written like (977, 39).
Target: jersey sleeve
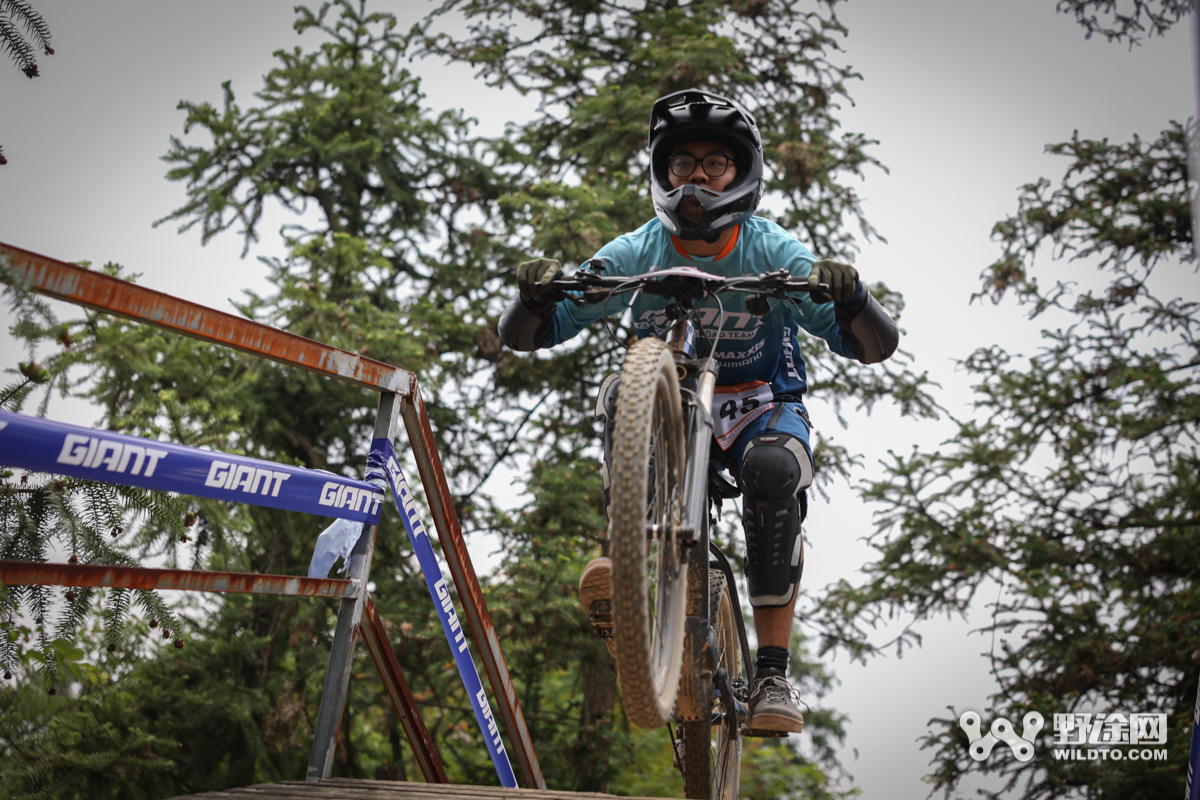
(569, 319)
(818, 319)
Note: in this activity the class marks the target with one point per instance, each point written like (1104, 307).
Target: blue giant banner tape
(382, 463)
(44, 446)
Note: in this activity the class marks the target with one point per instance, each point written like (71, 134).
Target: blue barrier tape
(41, 445)
(382, 463)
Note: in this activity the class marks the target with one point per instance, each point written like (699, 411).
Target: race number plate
(735, 407)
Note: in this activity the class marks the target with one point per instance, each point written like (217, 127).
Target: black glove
(534, 276)
(842, 280)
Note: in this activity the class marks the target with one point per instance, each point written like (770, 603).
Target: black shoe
(771, 706)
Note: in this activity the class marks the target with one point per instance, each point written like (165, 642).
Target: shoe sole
(594, 584)
(776, 722)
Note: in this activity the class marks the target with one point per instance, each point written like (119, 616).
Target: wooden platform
(347, 789)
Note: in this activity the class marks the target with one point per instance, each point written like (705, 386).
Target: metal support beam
(114, 296)
(341, 656)
(378, 644)
(454, 548)
(104, 293)
(32, 573)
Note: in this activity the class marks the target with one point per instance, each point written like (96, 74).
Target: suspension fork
(681, 338)
(694, 702)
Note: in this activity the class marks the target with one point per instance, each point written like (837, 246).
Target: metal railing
(400, 400)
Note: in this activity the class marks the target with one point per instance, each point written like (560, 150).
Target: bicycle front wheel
(649, 570)
(713, 748)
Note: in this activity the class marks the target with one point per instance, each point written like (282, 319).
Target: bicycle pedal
(601, 612)
(600, 615)
(760, 733)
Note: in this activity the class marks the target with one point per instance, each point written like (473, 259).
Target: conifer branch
(1147, 16)
(466, 498)
(18, 11)
(14, 13)
(33, 21)
(18, 49)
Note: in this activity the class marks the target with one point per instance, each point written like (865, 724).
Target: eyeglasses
(714, 166)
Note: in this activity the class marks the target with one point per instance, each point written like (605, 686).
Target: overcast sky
(962, 97)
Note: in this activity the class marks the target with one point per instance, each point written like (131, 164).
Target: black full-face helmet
(698, 212)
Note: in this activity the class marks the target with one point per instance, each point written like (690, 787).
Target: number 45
(729, 409)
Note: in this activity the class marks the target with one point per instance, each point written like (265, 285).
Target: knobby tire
(649, 579)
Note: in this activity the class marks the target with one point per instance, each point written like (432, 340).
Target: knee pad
(775, 465)
(776, 469)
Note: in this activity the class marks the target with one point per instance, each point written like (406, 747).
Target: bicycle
(681, 646)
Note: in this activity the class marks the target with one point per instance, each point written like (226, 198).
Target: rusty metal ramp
(347, 789)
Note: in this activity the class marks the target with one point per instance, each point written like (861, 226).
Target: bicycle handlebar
(678, 282)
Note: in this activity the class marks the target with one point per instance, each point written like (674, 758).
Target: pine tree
(579, 180)
(341, 125)
(93, 523)
(419, 228)
(1073, 484)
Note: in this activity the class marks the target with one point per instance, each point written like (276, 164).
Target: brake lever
(579, 301)
(590, 285)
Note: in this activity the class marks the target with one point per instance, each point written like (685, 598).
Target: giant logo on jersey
(739, 326)
(750, 345)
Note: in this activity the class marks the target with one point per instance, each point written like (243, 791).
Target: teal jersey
(751, 348)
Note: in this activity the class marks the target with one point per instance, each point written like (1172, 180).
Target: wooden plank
(349, 789)
(445, 791)
(442, 791)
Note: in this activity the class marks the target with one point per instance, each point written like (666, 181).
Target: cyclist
(706, 180)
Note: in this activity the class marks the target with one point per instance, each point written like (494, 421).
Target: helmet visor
(696, 106)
